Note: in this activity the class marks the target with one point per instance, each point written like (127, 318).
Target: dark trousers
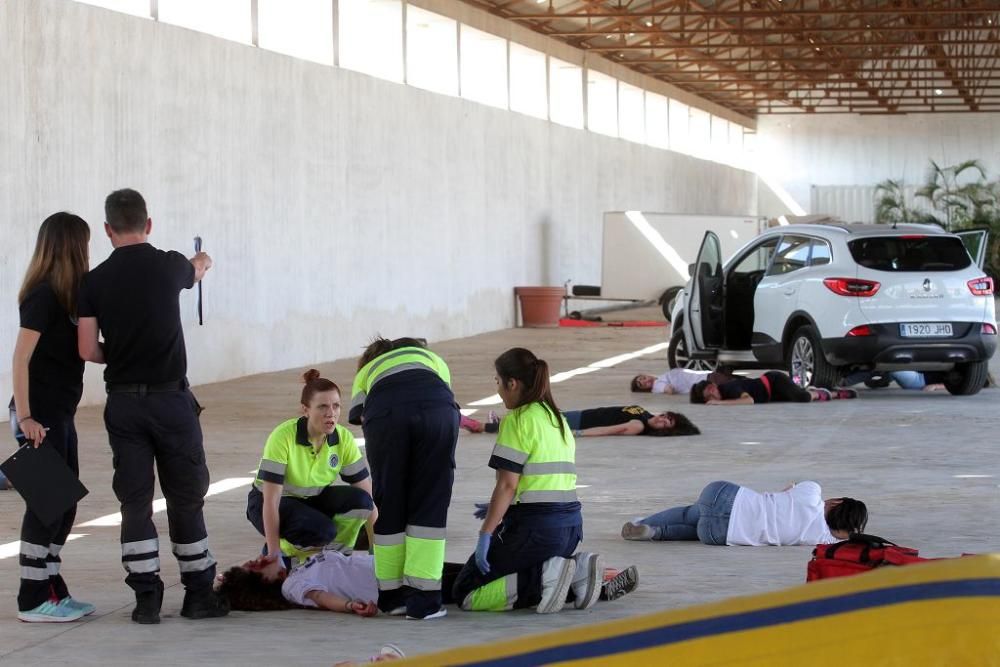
(783, 390)
(160, 429)
(41, 543)
(308, 522)
(411, 453)
(520, 551)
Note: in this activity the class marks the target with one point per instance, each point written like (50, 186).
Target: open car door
(976, 242)
(704, 307)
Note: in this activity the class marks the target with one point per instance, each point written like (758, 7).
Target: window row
(437, 53)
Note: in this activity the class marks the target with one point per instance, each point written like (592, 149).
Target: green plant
(890, 205)
(960, 197)
(957, 192)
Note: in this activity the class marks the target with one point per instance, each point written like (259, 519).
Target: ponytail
(314, 384)
(522, 365)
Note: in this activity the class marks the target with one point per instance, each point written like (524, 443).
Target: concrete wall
(335, 205)
(844, 149)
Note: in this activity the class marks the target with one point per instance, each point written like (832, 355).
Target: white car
(822, 301)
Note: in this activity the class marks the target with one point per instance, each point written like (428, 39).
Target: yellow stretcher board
(938, 613)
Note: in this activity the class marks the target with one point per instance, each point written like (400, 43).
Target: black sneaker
(147, 605)
(203, 603)
(621, 584)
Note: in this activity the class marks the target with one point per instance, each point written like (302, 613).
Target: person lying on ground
(329, 580)
(676, 381)
(914, 380)
(729, 514)
(616, 420)
(334, 581)
(771, 387)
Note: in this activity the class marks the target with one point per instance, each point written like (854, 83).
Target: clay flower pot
(540, 305)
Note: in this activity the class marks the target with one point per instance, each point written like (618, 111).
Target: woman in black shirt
(48, 383)
(771, 387)
(617, 420)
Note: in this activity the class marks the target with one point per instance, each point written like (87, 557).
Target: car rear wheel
(678, 357)
(807, 366)
(967, 379)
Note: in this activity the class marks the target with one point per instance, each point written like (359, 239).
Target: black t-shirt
(55, 372)
(134, 296)
(613, 416)
(754, 387)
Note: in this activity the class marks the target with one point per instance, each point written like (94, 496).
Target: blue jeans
(707, 520)
(905, 379)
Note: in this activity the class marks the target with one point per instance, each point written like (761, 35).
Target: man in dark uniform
(151, 415)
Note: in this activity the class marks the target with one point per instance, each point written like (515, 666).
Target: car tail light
(852, 286)
(989, 329)
(981, 286)
(863, 330)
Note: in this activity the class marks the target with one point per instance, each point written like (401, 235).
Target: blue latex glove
(481, 509)
(482, 548)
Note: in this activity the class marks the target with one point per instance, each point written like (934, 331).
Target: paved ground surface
(925, 463)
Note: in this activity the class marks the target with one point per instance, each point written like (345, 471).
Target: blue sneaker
(50, 612)
(85, 607)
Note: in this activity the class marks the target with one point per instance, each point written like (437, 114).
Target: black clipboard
(45, 481)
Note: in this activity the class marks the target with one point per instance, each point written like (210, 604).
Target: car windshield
(910, 253)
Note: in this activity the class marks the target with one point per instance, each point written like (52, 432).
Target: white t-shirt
(679, 379)
(789, 517)
(350, 577)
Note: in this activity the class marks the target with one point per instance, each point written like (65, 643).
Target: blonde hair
(61, 259)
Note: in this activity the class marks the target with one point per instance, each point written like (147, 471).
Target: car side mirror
(691, 268)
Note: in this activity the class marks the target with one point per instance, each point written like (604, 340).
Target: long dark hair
(522, 365)
(247, 590)
(849, 515)
(379, 346)
(61, 258)
(682, 426)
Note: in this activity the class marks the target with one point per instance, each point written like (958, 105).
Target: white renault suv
(825, 300)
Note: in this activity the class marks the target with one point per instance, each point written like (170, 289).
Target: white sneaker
(557, 577)
(389, 650)
(440, 613)
(633, 530)
(586, 585)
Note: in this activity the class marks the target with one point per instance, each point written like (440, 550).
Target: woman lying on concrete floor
(334, 581)
(617, 420)
(676, 381)
(729, 514)
(771, 387)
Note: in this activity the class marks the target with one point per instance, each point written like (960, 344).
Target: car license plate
(925, 329)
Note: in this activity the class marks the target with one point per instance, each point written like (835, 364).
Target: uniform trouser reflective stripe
(498, 595)
(34, 550)
(140, 547)
(348, 528)
(145, 566)
(389, 561)
(191, 549)
(35, 573)
(193, 556)
(424, 560)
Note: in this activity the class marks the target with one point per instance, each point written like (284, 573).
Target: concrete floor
(925, 464)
